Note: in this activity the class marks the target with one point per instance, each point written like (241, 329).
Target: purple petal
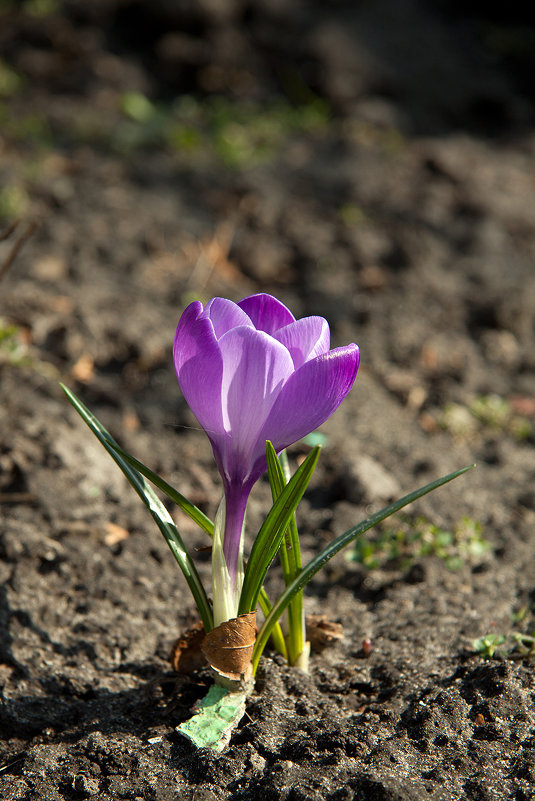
(310, 396)
(184, 346)
(225, 315)
(267, 313)
(305, 339)
(199, 367)
(255, 367)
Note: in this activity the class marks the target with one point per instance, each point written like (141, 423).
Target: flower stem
(227, 554)
(235, 504)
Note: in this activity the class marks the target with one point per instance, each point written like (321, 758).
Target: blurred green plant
(137, 107)
(13, 349)
(351, 215)
(10, 80)
(33, 8)
(14, 202)
(410, 539)
(484, 412)
(496, 412)
(29, 129)
(457, 420)
(238, 134)
(40, 8)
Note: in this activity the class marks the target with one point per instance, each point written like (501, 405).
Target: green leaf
(290, 554)
(277, 637)
(269, 537)
(332, 549)
(192, 511)
(154, 505)
(187, 507)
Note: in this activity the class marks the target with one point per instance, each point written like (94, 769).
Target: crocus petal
(225, 315)
(310, 396)
(251, 372)
(199, 367)
(185, 346)
(255, 367)
(305, 339)
(266, 312)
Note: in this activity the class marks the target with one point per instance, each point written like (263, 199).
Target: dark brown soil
(398, 202)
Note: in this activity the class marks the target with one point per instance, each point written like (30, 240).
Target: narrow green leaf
(269, 537)
(277, 637)
(332, 549)
(158, 511)
(187, 507)
(290, 554)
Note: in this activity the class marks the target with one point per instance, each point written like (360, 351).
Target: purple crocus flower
(251, 372)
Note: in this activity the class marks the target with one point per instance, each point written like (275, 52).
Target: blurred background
(330, 152)
(371, 162)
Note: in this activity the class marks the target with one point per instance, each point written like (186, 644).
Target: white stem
(303, 659)
(226, 596)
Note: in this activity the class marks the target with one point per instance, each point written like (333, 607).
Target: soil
(398, 202)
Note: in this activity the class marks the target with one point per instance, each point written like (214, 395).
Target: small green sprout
(518, 644)
(412, 539)
(524, 644)
(487, 646)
